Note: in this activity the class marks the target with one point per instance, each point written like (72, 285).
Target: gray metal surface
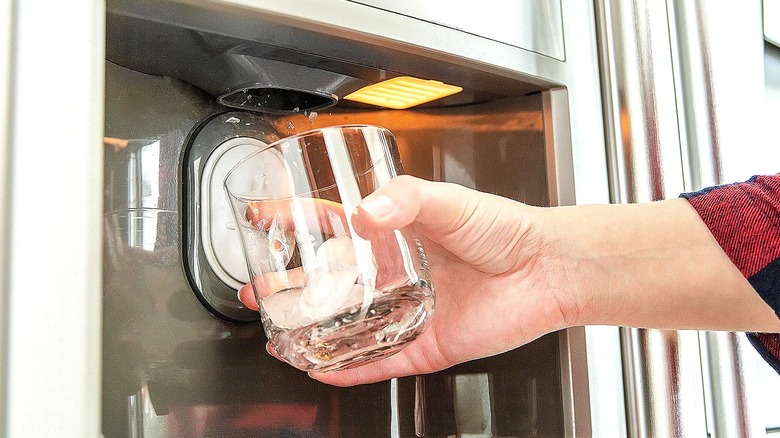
(734, 403)
(770, 381)
(50, 168)
(640, 100)
(664, 383)
(721, 89)
(171, 368)
(680, 123)
(6, 85)
(494, 19)
(474, 410)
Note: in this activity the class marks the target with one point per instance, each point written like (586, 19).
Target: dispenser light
(403, 92)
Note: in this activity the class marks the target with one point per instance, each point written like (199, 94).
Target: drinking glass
(328, 298)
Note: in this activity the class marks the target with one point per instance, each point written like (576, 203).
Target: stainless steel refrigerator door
(662, 369)
(576, 172)
(721, 150)
(50, 178)
(682, 94)
(591, 390)
(769, 388)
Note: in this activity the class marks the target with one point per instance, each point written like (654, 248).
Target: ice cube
(337, 254)
(331, 287)
(283, 311)
(286, 311)
(331, 282)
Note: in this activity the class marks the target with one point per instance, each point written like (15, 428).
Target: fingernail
(357, 223)
(377, 205)
(240, 290)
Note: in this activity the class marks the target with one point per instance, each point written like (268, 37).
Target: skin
(507, 273)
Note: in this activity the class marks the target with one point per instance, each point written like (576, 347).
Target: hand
(490, 281)
(506, 273)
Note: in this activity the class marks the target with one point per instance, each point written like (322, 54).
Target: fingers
(247, 297)
(371, 373)
(403, 200)
(419, 357)
(273, 282)
(269, 347)
(270, 283)
(326, 216)
(394, 366)
(261, 213)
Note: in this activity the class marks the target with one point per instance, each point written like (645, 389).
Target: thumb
(406, 199)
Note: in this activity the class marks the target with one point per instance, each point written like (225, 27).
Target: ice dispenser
(191, 88)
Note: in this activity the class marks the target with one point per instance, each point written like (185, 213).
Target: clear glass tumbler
(329, 298)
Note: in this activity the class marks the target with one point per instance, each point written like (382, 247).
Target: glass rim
(297, 137)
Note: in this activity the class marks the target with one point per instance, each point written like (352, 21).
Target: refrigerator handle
(662, 369)
(718, 101)
(672, 108)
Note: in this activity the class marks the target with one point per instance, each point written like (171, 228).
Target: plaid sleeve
(745, 219)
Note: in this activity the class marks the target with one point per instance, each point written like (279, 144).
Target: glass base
(357, 335)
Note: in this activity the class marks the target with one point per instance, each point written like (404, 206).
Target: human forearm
(650, 265)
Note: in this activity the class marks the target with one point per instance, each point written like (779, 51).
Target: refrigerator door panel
(50, 171)
(684, 99)
(494, 19)
(177, 362)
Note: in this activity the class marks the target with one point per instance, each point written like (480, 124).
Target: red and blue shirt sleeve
(745, 220)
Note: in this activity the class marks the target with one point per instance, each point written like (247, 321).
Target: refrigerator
(118, 305)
